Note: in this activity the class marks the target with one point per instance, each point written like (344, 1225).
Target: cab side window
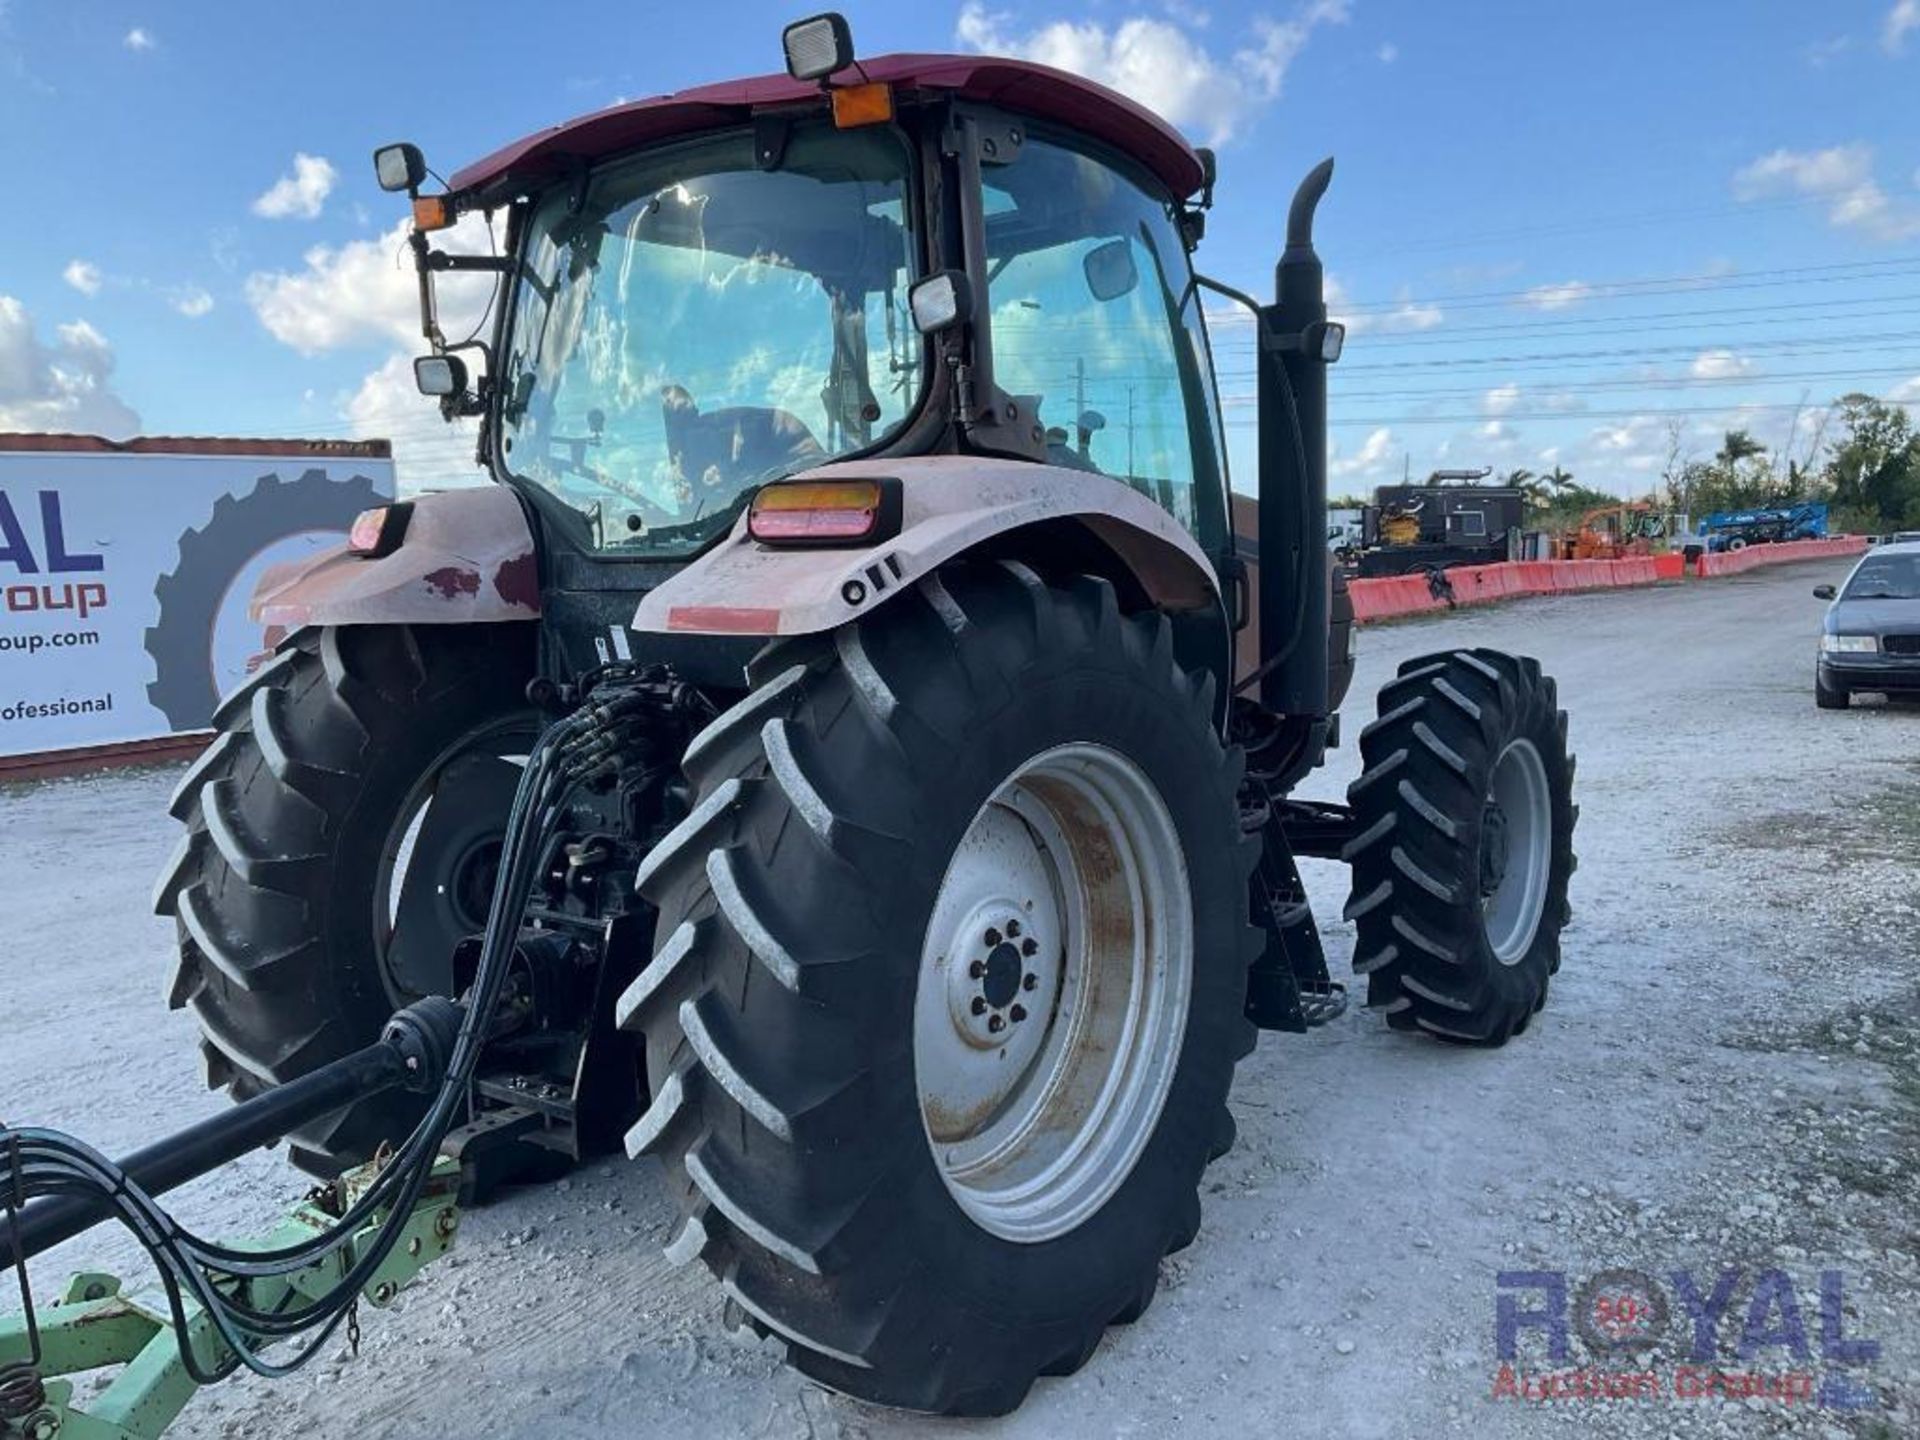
(1095, 319)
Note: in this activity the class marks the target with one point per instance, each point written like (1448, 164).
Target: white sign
(124, 580)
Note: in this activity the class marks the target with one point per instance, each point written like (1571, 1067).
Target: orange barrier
(1738, 562)
(1389, 596)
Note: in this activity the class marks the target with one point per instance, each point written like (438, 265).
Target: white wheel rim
(1516, 851)
(1053, 992)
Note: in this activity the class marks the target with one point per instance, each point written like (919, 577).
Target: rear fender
(951, 504)
(467, 558)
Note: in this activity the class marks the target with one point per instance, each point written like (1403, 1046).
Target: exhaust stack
(1294, 588)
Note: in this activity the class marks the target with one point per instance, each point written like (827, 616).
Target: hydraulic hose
(53, 1186)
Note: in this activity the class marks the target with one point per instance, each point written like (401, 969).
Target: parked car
(1871, 638)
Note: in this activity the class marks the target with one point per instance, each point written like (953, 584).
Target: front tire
(827, 913)
(1463, 845)
(1830, 697)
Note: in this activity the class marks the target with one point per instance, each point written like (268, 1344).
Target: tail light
(379, 532)
(826, 512)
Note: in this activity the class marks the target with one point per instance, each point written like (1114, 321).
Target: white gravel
(1728, 1074)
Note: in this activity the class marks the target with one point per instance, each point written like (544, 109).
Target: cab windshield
(697, 326)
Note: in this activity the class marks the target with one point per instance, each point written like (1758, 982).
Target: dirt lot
(1726, 1078)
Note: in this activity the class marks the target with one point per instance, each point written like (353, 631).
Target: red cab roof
(1038, 91)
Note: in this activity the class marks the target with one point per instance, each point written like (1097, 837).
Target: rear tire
(1463, 845)
(294, 815)
(780, 1008)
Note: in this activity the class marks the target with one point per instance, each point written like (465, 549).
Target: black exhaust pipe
(1294, 578)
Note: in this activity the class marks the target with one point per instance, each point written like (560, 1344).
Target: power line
(1865, 341)
(1845, 272)
(1613, 324)
(1690, 382)
(1647, 411)
(1582, 226)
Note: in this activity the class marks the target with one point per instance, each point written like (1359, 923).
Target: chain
(353, 1327)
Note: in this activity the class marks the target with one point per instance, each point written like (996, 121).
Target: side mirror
(1824, 592)
(440, 375)
(399, 167)
(940, 302)
(1110, 270)
(818, 46)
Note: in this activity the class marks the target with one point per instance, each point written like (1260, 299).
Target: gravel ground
(1727, 1077)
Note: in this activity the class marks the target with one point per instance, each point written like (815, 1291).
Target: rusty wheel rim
(1053, 992)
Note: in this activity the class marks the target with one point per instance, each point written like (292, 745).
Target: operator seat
(725, 449)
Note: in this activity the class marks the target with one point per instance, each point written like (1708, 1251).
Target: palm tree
(1532, 487)
(1558, 480)
(1739, 445)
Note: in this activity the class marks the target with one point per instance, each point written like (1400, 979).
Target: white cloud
(139, 38)
(191, 301)
(1719, 364)
(1902, 18)
(1159, 64)
(1501, 399)
(1907, 392)
(1636, 435)
(82, 275)
(1842, 175)
(1388, 53)
(365, 292)
(1822, 53)
(1557, 297)
(58, 387)
(1371, 458)
(1408, 314)
(427, 454)
(300, 194)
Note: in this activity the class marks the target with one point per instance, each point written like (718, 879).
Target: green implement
(96, 1324)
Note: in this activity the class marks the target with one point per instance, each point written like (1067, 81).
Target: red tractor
(848, 753)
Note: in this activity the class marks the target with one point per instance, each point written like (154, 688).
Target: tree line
(1863, 460)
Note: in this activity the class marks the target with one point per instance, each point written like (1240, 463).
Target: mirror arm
(423, 267)
(492, 264)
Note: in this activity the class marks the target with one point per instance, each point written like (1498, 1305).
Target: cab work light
(379, 532)
(825, 512)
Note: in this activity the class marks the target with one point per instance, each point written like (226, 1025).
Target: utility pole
(1080, 403)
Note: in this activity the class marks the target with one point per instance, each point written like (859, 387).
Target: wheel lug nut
(1029, 947)
(977, 969)
(993, 937)
(979, 1006)
(996, 1023)
(1013, 929)
(1029, 981)
(1019, 1012)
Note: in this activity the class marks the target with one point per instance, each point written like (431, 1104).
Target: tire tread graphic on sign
(180, 640)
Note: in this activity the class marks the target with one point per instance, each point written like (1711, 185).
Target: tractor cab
(906, 257)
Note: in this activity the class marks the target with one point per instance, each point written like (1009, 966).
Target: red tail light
(825, 512)
(378, 532)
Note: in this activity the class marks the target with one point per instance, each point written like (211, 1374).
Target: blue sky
(1558, 228)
